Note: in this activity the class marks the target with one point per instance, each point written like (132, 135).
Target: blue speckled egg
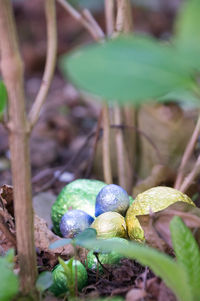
(112, 198)
(74, 222)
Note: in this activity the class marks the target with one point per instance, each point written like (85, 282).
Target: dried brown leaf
(135, 294)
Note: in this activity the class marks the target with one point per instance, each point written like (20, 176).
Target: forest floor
(62, 141)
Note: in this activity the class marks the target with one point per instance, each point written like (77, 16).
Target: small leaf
(187, 254)
(128, 68)
(60, 243)
(88, 233)
(163, 266)
(3, 97)
(9, 284)
(44, 281)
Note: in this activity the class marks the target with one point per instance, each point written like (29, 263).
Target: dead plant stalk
(19, 132)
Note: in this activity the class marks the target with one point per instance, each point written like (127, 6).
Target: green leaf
(44, 281)
(187, 34)
(3, 97)
(187, 254)
(9, 284)
(88, 233)
(162, 265)
(60, 243)
(134, 69)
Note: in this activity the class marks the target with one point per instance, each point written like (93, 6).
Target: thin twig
(50, 12)
(107, 169)
(191, 176)
(109, 16)
(66, 166)
(122, 158)
(94, 148)
(95, 31)
(187, 154)
(124, 126)
(89, 17)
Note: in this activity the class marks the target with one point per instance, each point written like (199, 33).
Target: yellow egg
(110, 224)
(152, 200)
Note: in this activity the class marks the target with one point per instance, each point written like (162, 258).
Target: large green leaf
(3, 97)
(162, 265)
(187, 32)
(9, 285)
(187, 254)
(128, 68)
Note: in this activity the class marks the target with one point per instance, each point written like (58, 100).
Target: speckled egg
(110, 224)
(59, 286)
(154, 199)
(105, 258)
(79, 194)
(112, 198)
(74, 222)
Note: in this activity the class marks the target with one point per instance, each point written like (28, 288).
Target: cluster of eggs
(109, 210)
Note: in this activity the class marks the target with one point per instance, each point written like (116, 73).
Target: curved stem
(50, 12)
(85, 19)
(191, 176)
(187, 154)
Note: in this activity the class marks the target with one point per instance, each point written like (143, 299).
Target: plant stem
(187, 154)
(125, 156)
(109, 16)
(191, 176)
(124, 21)
(107, 170)
(12, 72)
(122, 162)
(50, 12)
(93, 28)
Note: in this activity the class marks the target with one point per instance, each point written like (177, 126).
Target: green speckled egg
(79, 194)
(105, 258)
(110, 224)
(154, 199)
(59, 286)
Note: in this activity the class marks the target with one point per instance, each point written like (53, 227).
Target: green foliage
(128, 69)
(79, 240)
(68, 272)
(187, 254)
(163, 265)
(187, 33)
(3, 97)
(9, 285)
(137, 69)
(44, 281)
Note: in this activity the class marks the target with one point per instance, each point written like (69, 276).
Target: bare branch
(13, 76)
(89, 17)
(110, 16)
(50, 12)
(94, 30)
(186, 156)
(106, 146)
(124, 22)
(191, 176)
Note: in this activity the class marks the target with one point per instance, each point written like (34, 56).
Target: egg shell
(154, 199)
(60, 286)
(74, 222)
(112, 198)
(110, 258)
(79, 194)
(110, 224)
